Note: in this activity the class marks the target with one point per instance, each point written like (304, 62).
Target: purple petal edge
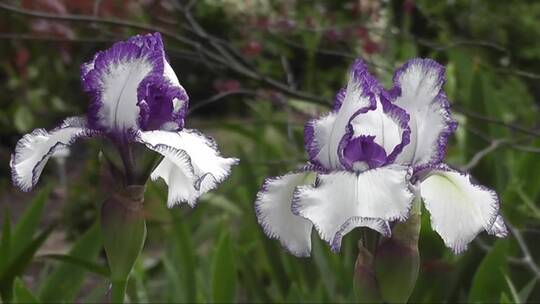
(370, 86)
(338, 99)
(198, 179)
(451, 124)
(153, 86)
(357, 221)
(495, 212)
(258, 212)
(15, 158)
(401, 117)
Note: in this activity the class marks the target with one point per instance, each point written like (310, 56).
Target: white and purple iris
(136, 98)
(369, 158)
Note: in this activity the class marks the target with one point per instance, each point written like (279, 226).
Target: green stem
(118, 291)
(370, 240)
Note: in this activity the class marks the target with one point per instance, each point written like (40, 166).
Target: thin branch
(86, 18)
(17, 36)
(496, 121)
(219, 96)
(527, 257)
(222, 58)
(495, 144)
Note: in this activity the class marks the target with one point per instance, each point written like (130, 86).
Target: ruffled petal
(273, 210)
(342, 200)
(323, 136)
(499, 228)
(459, 208)
(34, 150)
(192, 163)
(418, 88)
(387, 125)
(132, 87)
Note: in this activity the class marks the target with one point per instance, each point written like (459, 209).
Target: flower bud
(397, 259)
(124, 231)
(366, 289)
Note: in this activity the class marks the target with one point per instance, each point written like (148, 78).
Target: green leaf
(23, 119)
(223, 279)
(221, 201)
(63, 284)
(5, 242)
(171, 272)
(526, 291)
(186, 258)
(513, 291)
(489, 280)
(505, 299)
(19, 263)
(21, 294)
(29, 222)
(75, 261)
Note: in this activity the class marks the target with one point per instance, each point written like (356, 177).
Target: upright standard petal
(132, 87)
(273, 210)
(323, 135)
(459, 208)
(34, 150)
(192, 163)
(342, 200)
(418, 88)
(387, 129)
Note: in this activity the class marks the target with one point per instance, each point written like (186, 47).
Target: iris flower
(136, 98)
(369, 158)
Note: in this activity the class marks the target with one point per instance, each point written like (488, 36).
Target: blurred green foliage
(217, 251)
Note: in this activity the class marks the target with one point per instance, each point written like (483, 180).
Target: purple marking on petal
(313, 167)
(401, 117)
(156, 94)
(150, 41)
(358, 221)
(364, 149)
(441, 97)
(92, 79)
(26, 140)
(259, 213)
(338, 100)
(310, 143)
(369, 86)
(163, 148)
(370, 89)
(157, 107)
(354, 220)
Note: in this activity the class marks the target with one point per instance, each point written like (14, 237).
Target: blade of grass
(21, 294)
(27, 225)
(63, 284)
(223, 280)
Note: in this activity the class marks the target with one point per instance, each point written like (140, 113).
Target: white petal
(34, 150)
(459, 208)
(324, 135)
(273, 209)
(344, 200)
(388, 123)
(377, 123)
(499, 228)
(120, 83)
(170, 75)
(192, 165)
(420, 82)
